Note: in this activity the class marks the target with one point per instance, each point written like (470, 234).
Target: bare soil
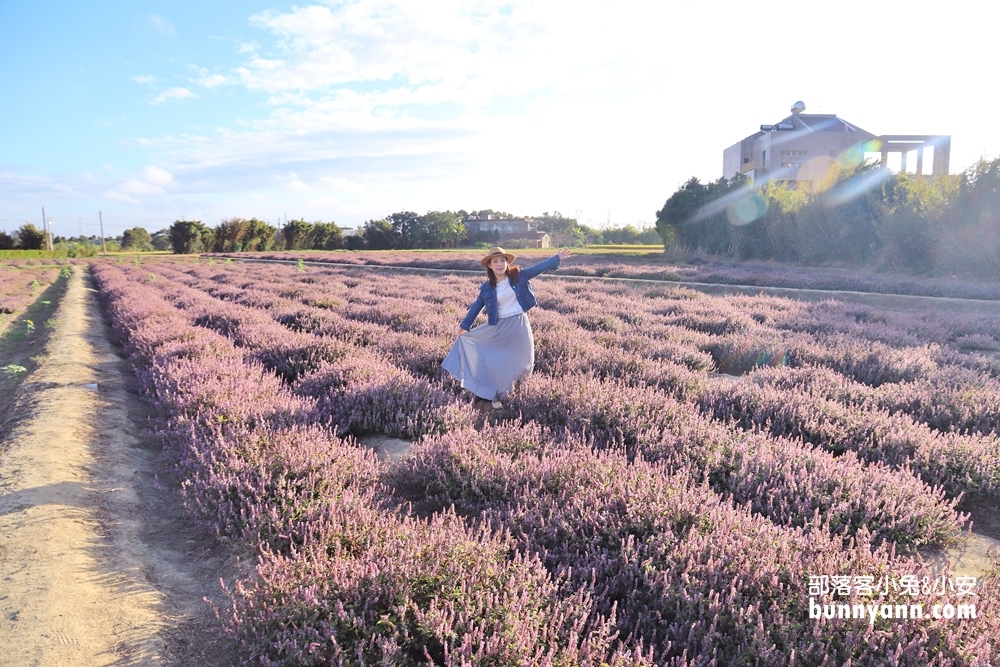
(979, 545)
(99, 564)
(20, 347)
(386, 447)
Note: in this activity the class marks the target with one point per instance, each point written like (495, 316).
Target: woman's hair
(512, 272)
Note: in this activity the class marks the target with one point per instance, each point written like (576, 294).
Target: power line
(70, 223)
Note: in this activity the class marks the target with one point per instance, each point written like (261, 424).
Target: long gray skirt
(488, 360)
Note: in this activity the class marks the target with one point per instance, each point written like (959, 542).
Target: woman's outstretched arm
(546, 265)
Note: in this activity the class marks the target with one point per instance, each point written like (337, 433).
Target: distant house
(506, 231)
(802, 147)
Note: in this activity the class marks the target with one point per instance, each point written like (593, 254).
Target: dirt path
(98, 566)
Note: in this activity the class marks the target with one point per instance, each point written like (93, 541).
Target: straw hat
(496, 251)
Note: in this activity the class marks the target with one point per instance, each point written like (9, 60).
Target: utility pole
(47, 231)
(104, 247)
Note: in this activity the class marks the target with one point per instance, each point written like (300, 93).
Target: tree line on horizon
(29, 237)
(400, 230)
(861, 215)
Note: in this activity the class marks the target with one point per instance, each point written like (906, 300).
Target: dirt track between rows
(98, 563)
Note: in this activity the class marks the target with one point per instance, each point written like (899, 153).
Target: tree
(83, 248)
(680, 208)
(7, 241)
(483, 214)
(697, 215)
(860, 213)
(297, 234)
(137, 239)
(781, 220)
(973, 238)
(326, 236)
(630, 235)
(260, 236)
(161, 240)
(565, 231)
(908, 211)
(30, 237)
(649, 236)
(442, 228)
(242, 235)
(191, 236)
(379, 235)
(554, 224)
(230, 235)
(408, 229)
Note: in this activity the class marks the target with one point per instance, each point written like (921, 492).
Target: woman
(490, 359)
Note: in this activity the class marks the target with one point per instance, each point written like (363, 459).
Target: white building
(802, 147)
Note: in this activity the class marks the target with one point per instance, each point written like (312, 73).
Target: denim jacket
(522, 288)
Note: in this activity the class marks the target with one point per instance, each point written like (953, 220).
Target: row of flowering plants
(343, 575)
(21, 286)
(618, 514)
(637, 346)
(655, 265)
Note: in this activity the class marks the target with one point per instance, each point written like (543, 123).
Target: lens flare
(857, 185)
(721, 205)
(872, 146)
(748, 209)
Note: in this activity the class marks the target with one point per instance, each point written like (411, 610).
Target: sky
(345, 111)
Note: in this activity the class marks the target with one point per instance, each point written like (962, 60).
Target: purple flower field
(660, 491)
(20, 286)
(655, 265)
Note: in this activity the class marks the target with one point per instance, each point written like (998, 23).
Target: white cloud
(292, 181)
(157, 176)
(135, 187)
(526, 106)
(455, 47)
(173, 94)
(207, 79)
(341, 184)
(143, 79)
(211, 80)
(162, 25)
(155, 181)
(114, 195)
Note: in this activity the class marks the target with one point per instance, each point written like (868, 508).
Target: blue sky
(346, 111)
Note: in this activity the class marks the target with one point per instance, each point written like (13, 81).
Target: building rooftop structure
(802, 148)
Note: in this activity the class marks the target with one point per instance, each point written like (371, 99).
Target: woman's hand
(563, 254)
(462, 331)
